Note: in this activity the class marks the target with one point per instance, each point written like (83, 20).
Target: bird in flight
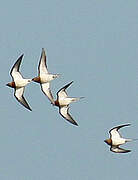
(116, 140)
(19, 83)
(63, 102)
(44, 77)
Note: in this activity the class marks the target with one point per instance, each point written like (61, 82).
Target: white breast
(118, 141)
(46, 78)
(65, 101)
(22, 82)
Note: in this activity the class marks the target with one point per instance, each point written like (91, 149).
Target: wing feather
(47, 91)
(62, 92)
(119, 150)
(19, 96)
(42, 67)
(114, 131)
(15, 69)
(65, 114)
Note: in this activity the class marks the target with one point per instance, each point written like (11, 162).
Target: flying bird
(19, 83)
(116, 140)
(63, 102)
(44, 77)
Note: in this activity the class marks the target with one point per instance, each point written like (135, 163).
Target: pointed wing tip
(125, 125)
(119, 150)
(120, 126)
(69, 84)
(128, 124)
(74, 123)
(43, 50)
(29, 109)
(20, 58)
(26, 106)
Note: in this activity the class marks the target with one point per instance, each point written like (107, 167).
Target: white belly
(46, 78)
(21, 82)
(65, 101)
(118, 141)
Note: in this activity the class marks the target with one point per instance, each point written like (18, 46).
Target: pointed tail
(76, 99)
(129, 140)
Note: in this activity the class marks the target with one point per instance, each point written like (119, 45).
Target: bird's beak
(7, 84)
(105, 141)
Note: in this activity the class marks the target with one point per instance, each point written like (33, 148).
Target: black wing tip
(120, 150)
(128, 124)
(26, 106)
(20, 57)
(71, 82)
(123, 152)
(43, 52)
(120, 126)
(29, 109)
(75, 123)
(66, 86)
(23, 102)
(123, 125)
(128, 151)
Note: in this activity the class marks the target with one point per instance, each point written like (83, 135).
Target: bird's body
(22, 82)
(44, 77)
(19, 83)
(116, 140)
(66, 101)
(63, 102)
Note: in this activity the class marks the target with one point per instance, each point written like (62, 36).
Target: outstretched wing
(62, 92)
(65, 114)
(19, 96)
(46, 90)
(42, 67)
(119, 150)
(15, 69)
(114, 131)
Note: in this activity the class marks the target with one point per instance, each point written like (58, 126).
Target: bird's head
(56, 76)
(11, 84)
(36, 79)
(108, 141)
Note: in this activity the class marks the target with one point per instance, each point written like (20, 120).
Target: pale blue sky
(94, 43)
